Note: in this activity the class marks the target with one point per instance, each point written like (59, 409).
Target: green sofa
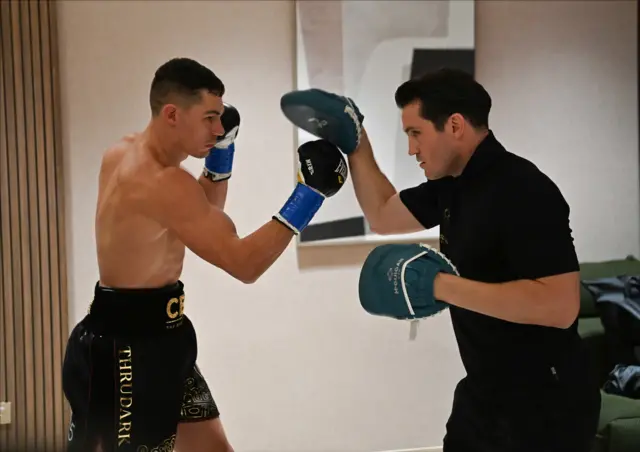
(619, 428)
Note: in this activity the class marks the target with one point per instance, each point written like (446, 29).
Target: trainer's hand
(396, 280)
(325, 115)
(219, 163)
(322, 171)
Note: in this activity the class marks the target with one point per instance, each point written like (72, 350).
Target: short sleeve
(536, 233)
(422, 202)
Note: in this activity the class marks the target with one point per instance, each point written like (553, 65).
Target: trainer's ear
(456, 124)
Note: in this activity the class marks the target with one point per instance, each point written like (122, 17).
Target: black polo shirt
(503, 220)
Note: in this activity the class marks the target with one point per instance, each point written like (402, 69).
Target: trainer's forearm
(524, 301)
(216, 192)
(371, 186)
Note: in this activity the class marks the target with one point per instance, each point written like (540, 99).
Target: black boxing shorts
(130, 373)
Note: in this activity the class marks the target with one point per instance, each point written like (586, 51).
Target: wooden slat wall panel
(33, 313)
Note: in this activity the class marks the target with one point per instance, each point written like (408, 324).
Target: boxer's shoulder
(174, 181)
(129, 177)
(172, 192)
(113, 155)
(116, 159)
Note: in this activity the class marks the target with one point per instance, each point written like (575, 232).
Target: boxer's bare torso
(134, 251)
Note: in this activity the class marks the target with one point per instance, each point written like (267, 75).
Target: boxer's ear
(169, 113)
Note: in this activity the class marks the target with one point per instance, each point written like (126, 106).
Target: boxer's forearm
(216, 192)
(524, 301)
(259, 250)
(371, 186)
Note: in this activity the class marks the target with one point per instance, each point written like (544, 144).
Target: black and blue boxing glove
(322, 171)
(219, 163)
(325, 115)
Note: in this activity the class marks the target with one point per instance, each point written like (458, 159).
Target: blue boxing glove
(325, 115)
(322, 171)
(219, 163)
(396, 280)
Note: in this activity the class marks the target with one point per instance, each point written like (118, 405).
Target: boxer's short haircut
(445, 92)
(182, 80)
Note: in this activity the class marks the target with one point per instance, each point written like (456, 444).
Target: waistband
(137, 311)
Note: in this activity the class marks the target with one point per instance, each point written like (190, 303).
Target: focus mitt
(325, 115)
(396, 281)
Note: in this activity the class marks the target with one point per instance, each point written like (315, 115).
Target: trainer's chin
(424, 169)
(429, 174)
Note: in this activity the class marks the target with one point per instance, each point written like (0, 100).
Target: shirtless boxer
(130, 372)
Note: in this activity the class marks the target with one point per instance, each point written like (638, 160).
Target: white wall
(563, 77)
(293, 361)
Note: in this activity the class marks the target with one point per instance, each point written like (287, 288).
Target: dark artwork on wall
(427, 60)
(337, 229)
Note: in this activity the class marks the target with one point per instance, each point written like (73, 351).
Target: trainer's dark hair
(182, 80)
(445, 92)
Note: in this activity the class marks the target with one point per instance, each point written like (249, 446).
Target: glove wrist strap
(300, 208)
(215, 177)
(219, 163)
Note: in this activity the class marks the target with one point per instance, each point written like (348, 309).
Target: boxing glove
(322, 171)
(219, 163)
(325, 115)
(396, 280)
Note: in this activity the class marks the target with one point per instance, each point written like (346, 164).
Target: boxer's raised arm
(179, 203)
(218, 165)
(378, 199)
(216, 192)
